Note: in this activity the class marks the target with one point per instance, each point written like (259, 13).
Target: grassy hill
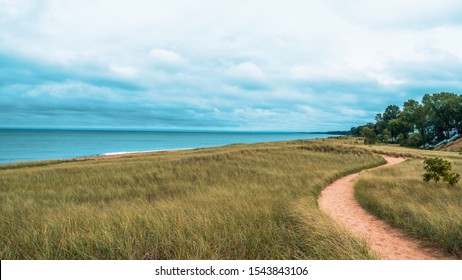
(431, 212)
(455, 146)
(234, 202)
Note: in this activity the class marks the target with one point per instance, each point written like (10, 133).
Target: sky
(244, 65)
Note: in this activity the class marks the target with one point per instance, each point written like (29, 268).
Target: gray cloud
(294, 65)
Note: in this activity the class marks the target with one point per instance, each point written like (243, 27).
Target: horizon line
(118, 129)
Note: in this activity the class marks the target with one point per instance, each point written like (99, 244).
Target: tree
(398, 126)
(368, 134)
(416, 114)
(414, 140)
(436, 115)
(437, 168)
(445, 112)
(356, 131)
(391, 113)
(380, 124)
(459, 115)
(385, 136)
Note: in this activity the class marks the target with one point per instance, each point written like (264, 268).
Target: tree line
(437, 117)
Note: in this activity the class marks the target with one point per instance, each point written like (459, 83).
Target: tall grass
(393, 150)
(235, 202)
(431, 212)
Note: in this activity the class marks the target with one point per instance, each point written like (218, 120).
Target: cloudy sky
(293, 65)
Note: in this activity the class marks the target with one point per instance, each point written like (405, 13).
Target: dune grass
(234, 202)
(431, 212)
(393, 150)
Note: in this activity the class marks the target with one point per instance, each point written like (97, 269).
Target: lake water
(17, 145)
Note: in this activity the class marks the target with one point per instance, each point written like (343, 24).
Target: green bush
(437, 168)
(414, 140)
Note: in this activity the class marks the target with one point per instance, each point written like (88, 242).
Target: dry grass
(391, 149)
(455, 146)
(235, 202)
(431, 212)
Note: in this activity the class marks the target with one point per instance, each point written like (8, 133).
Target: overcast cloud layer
(295, 65)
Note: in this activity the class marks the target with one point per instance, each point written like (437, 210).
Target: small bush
(437, 168)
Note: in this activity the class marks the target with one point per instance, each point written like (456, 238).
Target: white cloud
(334, 71)
(398, 14)
(246, 71)
(386, 80)
(166, 57)
(125, 71)
(247, 76)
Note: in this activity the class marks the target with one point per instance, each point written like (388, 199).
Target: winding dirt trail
(338, 201)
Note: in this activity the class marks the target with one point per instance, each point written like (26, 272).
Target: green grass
(234, 202)
(432, 212)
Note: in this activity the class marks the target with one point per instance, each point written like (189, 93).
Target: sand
(337, 200)
(124, 154)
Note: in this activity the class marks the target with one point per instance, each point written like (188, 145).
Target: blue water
(28, 145)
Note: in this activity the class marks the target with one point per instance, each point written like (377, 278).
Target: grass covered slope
(431, 212)
(234, 202)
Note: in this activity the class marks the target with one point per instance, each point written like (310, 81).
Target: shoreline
(121, 154)
(95, 157)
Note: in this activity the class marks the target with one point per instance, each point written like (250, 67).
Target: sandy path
(338, 201)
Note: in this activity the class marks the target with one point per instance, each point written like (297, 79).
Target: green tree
(436, 114)
(436, 168)
(417, 115)
(369, 135)
(357, 131)
(445, 111)
(391, 113)
(385, 136)
(398, 126)
(459, 115)
(380, 124)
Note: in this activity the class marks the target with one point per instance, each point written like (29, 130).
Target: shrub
(437, 168)
(401, 139)
(414, 140)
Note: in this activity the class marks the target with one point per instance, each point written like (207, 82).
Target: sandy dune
(338, 201)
